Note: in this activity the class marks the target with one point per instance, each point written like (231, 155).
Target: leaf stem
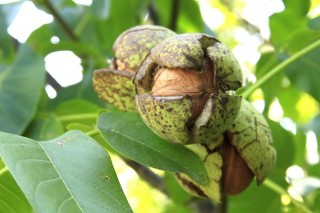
(82, 24)
(281, 191)
(280, 67)
(93, 132)
(77, 116)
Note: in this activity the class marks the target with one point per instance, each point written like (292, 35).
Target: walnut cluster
(183, 87)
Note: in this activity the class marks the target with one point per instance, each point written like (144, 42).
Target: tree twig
(147, 175)
(153, 13)
(223, 206)
(174, 14)
(52, 81)
(199, 205)
(60, 20)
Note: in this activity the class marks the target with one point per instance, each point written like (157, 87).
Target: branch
(147, 175)
(153, 14)
(174, 15)
(60, 20)
(198, 205)
(53, 82)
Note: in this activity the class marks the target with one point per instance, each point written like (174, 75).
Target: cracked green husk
(251, 136)
(190, 52)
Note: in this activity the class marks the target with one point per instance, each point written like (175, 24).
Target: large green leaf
(77, 110)
(128, 135)
(123, 15)
(189, 19)
(305, 73)
(300, 39)
(20, 89)
(44, 128)
(291, 19)
(71, 173)
(12, 200)
(100, 9)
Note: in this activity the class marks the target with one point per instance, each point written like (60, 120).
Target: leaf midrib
(60, 176)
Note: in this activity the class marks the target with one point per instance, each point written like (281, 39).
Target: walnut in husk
(186, 88)
(242, 152)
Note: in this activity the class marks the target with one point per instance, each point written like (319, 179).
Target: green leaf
(300, 151)
(12, 200)
(44, 128)
(305, 73)
(128, 135)
(308, 80)
(291, 19)
(20, 90)
(163, 9)
(6, 42)
(257, 198)
(100, 9)
(80, 127)
(89, 128)
(76, 106)
(51, 128)
(78, 110)
(315, 23)
(189, 19)
(300, 7)
(314, 199)
(71, 173)
(283, 141)
(301, 38)
(123, 15)
(289, 98)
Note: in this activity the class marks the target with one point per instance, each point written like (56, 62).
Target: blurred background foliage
(49, 49)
